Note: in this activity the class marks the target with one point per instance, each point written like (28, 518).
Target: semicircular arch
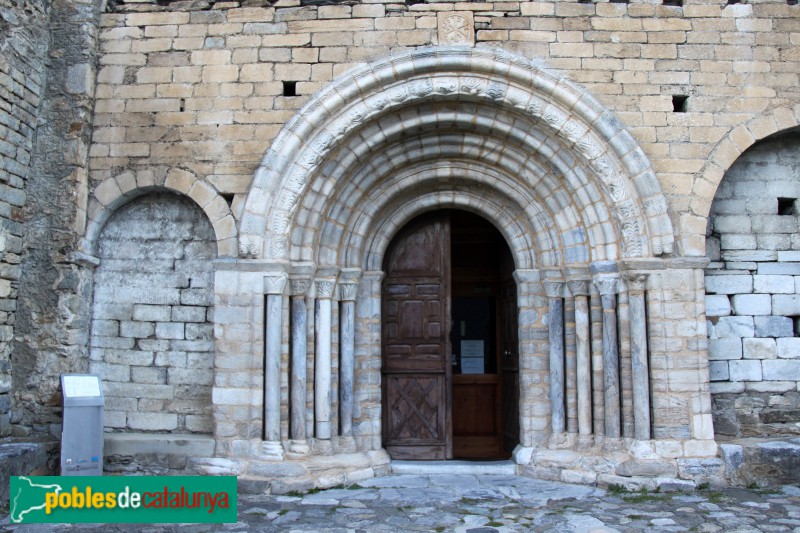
(114, 193)
(528, 95)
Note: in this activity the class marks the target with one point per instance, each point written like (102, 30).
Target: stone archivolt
(588, 189)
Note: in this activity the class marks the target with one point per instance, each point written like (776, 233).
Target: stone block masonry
(152, 337)
(755, 352)
(633, 110)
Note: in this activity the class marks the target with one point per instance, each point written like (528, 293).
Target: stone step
(21, 459)
(502, 468)
(763, 462)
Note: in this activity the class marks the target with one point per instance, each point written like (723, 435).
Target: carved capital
(579, 287)
(348, 291)
(325, 288)
(606, 284)
(274, 282)
(554, 289)
(300, 285)
(637, 281)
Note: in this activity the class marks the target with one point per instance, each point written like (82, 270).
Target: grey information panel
(82, 431)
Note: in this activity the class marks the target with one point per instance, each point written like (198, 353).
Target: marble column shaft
(273, 286)
(322, 367)
(580, 289)
(556, 339)
(607, 286)
(347, 357)
(299, 358)
(639, 357)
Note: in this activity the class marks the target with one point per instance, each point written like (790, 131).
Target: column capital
(348, 290)
(325, 287)
(637, 281)
(607, 284)
(579, 287)
(274, 282)
(554, 289)
(300, 285)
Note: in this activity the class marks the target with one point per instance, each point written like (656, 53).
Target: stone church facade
(228, 211)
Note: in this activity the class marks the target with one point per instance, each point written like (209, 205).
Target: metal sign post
(82, 429)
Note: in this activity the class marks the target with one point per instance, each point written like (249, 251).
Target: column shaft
(272, 369)
(299, 369)
(584, 365)
(639, 363)
(322, 371)
(610, 366)
(556, 337)
(347, 367)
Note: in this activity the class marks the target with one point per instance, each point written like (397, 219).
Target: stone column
(607, 286)
(347, 295)
(300, 286)
(639, 356)
(274, 283)
(580, 290)
(322, 368)
(596, 335)
(554, 290)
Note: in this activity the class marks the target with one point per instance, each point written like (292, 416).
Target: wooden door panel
(416, 409)
(415, 343)
(510, 364)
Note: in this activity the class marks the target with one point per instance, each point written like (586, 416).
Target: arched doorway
(449, 340)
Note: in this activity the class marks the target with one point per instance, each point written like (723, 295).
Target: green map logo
(111, 499)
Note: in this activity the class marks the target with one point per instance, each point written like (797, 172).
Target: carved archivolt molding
(493, 78)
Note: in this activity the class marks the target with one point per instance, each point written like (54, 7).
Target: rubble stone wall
(753, 293)
(24, 41)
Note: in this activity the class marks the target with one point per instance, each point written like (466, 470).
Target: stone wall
(152, 331)
(24, 41)
(753, 286)
(52, 323)
(210, 89)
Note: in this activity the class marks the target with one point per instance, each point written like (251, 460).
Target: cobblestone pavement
(489, 503)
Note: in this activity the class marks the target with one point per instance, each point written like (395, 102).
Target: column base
(298, 448)
(322, 446)
(271, 451)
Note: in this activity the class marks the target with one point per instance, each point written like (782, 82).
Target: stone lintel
(249, 265)
(673, 263)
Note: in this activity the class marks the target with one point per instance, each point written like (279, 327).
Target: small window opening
(732, 2)
(618, 1)
(290, 88)
(228, 197)
(673, 3)
(786, 206)
(791, 2)
(679, 103)
(585, 1)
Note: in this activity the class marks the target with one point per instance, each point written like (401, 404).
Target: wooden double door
(450, 363)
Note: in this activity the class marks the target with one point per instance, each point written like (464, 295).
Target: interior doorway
(450, 369)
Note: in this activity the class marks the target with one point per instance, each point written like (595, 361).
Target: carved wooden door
(416, 363)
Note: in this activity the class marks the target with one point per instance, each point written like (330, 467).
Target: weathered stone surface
(153, 228)
(647, 468)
